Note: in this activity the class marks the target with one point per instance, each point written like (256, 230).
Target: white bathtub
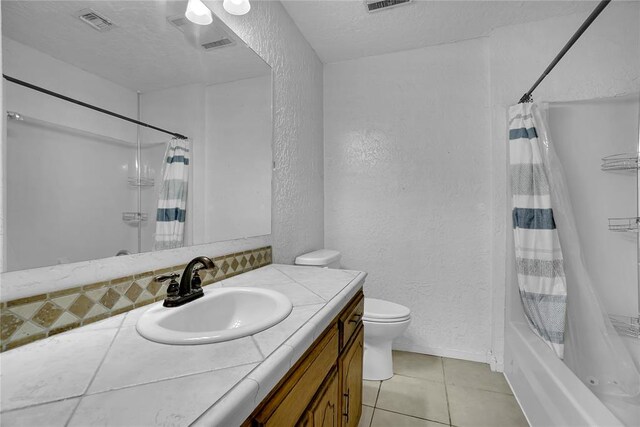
(547, 390)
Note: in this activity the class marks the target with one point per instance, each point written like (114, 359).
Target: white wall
(407, 188)
(603, 63)
(238, 159)
(298, 203)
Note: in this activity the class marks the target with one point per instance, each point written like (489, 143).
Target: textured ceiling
(341, 30)
(143, 52)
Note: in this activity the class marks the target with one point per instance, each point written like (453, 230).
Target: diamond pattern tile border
(32, 318)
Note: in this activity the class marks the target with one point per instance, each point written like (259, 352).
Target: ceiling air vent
(377, 5)
(207, 37)
(95, 20)
(217, 43)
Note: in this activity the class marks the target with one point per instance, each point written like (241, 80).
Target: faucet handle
(173, 290)
(165, 277)
(197, 268)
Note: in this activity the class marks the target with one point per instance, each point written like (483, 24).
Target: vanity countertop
(107, 374)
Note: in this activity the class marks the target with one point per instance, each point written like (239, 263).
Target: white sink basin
(222, 314)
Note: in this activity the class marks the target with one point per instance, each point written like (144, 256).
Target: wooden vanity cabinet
(351, 380)
(324, 410)
(324, 388)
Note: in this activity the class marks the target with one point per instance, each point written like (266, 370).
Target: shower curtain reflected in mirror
(172, 198)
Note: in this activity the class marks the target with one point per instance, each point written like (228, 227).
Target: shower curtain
(539, 260)
(172, 199)
(592, 348)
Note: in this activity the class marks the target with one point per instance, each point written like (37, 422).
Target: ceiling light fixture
(237, 7)
(198, 13)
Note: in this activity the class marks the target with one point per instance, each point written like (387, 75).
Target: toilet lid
(378, 310)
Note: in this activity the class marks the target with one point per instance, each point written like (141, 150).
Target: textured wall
(297, 212)
(297, 204)
(407, 187)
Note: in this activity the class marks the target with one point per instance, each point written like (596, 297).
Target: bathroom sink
(222, 314)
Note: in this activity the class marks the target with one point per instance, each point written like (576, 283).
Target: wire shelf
(626, 325)
(620, 162)
(134, 217)
(624, 224)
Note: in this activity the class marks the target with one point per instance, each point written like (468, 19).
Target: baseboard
(443, 352)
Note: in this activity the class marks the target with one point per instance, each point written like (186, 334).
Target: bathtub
(547, 390)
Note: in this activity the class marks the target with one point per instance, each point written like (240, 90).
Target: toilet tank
(326, 258)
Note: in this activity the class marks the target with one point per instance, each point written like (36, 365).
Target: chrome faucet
(190, 287)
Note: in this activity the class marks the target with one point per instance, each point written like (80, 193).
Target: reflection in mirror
(82, 184)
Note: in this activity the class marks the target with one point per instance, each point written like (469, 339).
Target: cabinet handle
(357, 318)
(347, 405)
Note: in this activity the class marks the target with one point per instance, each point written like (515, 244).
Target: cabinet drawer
(290, 401)
(351, 319)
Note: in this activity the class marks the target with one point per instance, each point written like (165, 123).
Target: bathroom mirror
(82, 184)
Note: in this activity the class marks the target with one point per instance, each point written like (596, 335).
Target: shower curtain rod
(92, 107)
(592, 17)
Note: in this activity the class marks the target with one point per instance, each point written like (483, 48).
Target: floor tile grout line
(446, 382)
(446, 389)
(482, 389)
(373, 412)
(401, 413)
(375, 403)
(413, 416)
(417, 378)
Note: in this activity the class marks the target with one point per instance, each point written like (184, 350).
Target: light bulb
(198, 13)
(236, 7)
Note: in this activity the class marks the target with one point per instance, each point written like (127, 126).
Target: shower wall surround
(603, 63)
(29, 195)
(297, 199)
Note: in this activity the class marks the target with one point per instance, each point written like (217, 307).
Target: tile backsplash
(25, 320)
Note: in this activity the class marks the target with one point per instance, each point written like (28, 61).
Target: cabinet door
(323, 411)
(351, 384)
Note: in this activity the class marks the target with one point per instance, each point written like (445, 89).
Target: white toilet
(383, 321)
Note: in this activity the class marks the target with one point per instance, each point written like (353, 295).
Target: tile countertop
(107, 374)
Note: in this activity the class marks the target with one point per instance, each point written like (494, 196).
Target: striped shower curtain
(538, 255)
(172, 199)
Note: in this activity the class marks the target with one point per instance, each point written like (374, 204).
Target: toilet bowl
(383, 321)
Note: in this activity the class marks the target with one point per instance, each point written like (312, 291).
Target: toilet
(383, 321)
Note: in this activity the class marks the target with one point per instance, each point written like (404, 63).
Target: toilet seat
(380, 311)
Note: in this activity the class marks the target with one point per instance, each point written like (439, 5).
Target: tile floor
(430, 391)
